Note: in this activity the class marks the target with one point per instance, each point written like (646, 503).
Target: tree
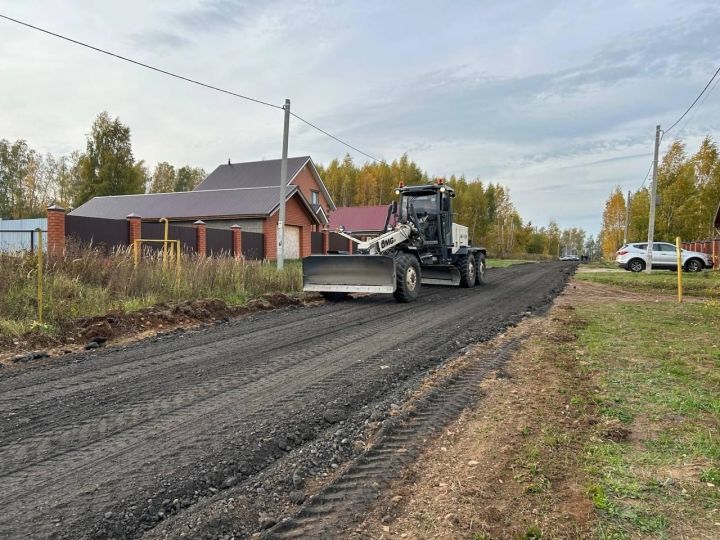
(163, 178)
(613, 227)
(15, 162)
(639, 215)
(107, 167)
(188, 178)
(707, 173)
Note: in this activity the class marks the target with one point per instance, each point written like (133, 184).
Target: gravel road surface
(116, 442)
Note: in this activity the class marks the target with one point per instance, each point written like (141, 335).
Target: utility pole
(653, 199)
(627, 217)
(283, 189)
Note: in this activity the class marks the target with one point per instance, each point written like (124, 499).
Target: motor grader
(420, 245)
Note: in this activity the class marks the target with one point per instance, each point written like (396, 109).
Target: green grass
(657, 370)
(86, 282)
(504, 263)
(704, 284)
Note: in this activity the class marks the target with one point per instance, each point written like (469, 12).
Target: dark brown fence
(338, 243)
(218, 242)
(704, 246)
(105, 233)
(316, 243)
(253, 245)
(156, 231)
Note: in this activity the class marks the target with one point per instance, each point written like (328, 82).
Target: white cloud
(542, 96)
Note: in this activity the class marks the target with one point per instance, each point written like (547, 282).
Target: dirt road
(114, 443)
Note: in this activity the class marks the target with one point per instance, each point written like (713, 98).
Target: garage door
(292, 242)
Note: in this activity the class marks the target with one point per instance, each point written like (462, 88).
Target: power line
(663, 133)
(694, 102)
(696, 109)
(138, 63)
(646, 175)
(183, 78)
(335, 138)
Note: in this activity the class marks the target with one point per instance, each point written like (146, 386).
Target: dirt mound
(161, 317)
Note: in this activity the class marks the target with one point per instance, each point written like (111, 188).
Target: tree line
(688, 194)
(484, 207)
(31, 181)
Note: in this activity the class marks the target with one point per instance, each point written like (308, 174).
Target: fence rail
(253, 245)
(156, 231)
(338, 243)
(219, 242)
(104, 233)
(19, 239)
(316, 243)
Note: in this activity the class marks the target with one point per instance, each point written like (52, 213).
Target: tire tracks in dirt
(80, 441)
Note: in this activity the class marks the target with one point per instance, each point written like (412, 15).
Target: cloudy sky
(558, 100)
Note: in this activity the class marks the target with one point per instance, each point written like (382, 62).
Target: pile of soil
(119, 326)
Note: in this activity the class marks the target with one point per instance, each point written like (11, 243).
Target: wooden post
(678, 250)
(40, 274)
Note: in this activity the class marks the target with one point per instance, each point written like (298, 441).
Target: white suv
(633, 257)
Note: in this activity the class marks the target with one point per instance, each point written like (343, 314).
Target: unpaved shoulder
(507, 468)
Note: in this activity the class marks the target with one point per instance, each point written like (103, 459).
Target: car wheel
(693, 265)
(636, 265)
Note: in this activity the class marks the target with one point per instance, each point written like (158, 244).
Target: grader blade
(349, 273)
(445, 274)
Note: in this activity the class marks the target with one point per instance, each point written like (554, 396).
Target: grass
(704, 284)
(503, 263)
(86, 282)
(655, 365)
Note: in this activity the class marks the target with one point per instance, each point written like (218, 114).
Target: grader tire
(407, 278)
(480, 268)
(468, 270)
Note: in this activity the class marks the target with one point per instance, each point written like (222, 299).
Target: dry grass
(86, 282)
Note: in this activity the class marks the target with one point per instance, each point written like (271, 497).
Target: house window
(315, 196)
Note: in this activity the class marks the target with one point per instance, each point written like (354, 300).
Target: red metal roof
(359, 218)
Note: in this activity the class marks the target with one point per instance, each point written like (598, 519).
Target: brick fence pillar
(326, 240)
(237, 241)
(134, 228)
(55, 230)
(201, 232)
(351, 246)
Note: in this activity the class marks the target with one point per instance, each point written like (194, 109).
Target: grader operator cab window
(426, 209)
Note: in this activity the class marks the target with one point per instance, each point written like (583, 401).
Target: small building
(246, 194)
(360, 221)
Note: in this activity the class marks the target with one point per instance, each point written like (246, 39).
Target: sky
(556, 100)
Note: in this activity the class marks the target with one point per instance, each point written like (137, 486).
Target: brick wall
(236, 241)
(134, 228)
(56, 230)
(201, 240)
(307, 184)
(295, 214)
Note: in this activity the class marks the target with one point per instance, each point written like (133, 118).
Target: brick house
(243, 194)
